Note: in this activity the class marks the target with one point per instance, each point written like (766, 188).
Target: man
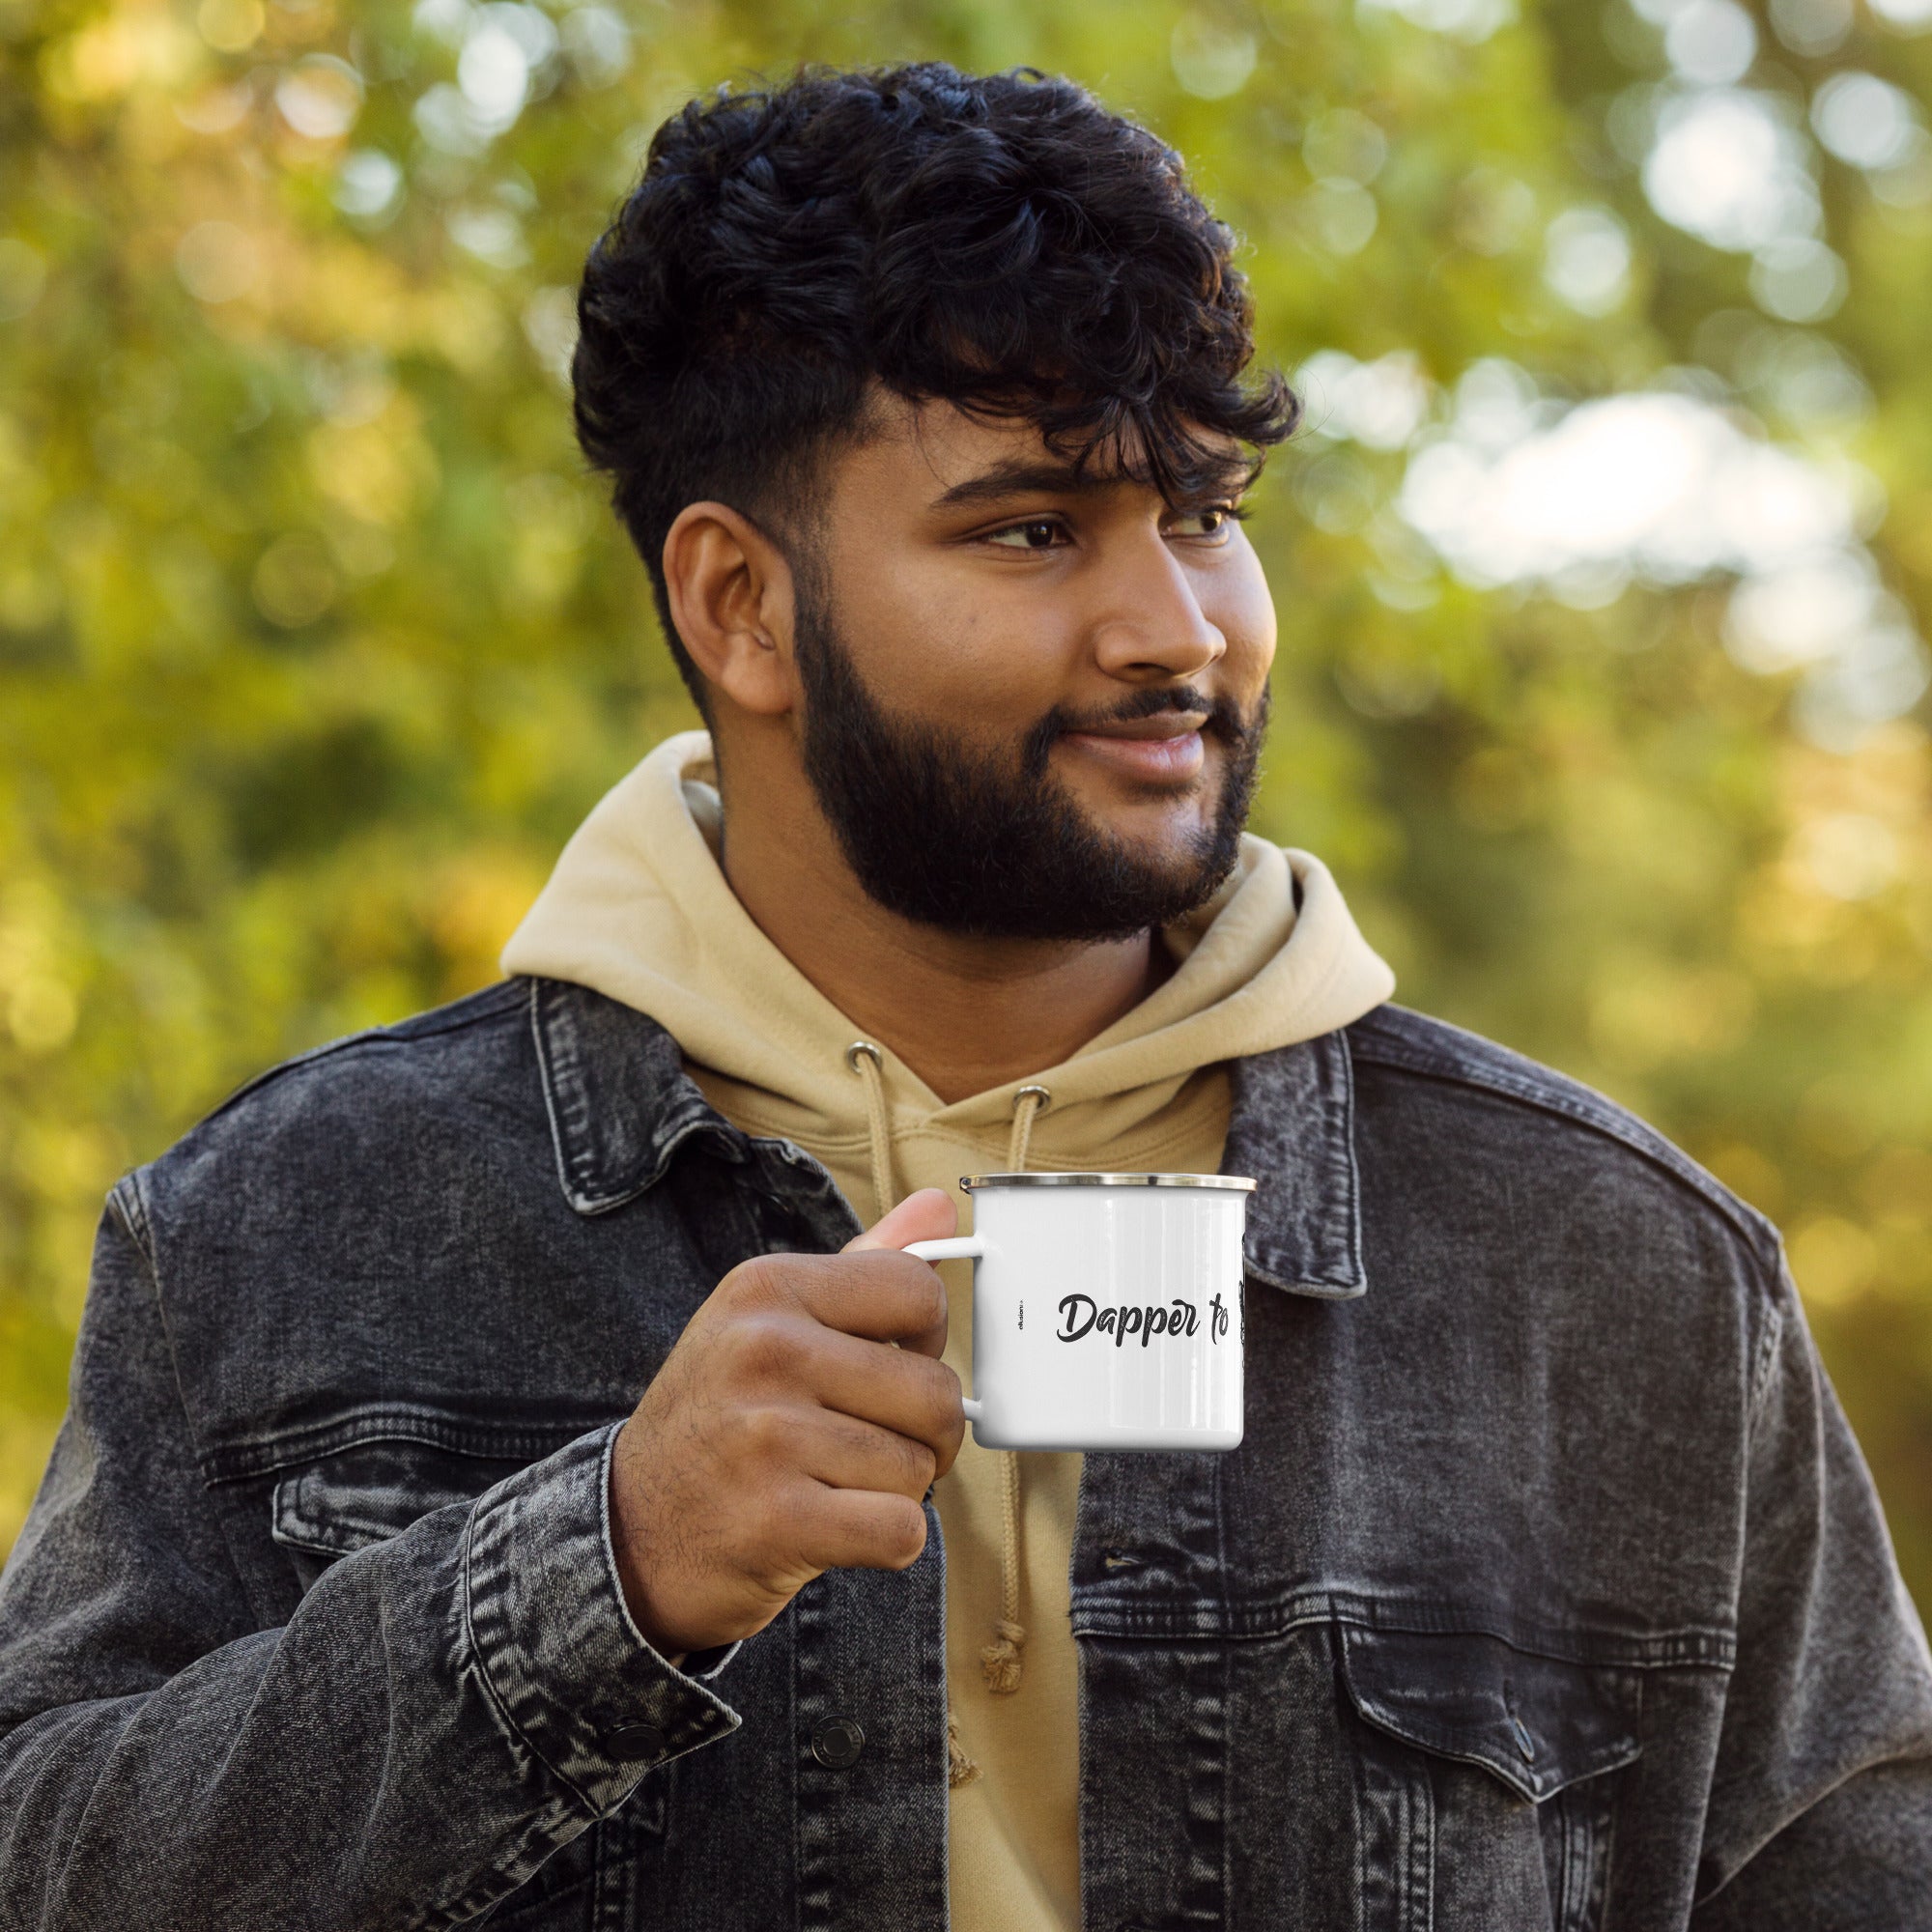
(503, 1481)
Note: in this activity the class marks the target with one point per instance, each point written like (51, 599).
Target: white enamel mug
(1106, 1309)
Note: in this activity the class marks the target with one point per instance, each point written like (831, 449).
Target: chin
(1118, 801)
(1162, 828)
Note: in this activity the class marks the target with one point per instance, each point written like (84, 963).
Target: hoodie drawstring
(1000, 1661)
(865, 1060)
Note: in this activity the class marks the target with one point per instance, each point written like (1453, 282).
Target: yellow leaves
(1889, 776)
(1849, 855)
(294, 582)
(39, 1004)
(1495, 789)
(464, 325)
(219, 262)
(1832, 1261)
(24, 1443)
(70, 1161)
(1911, 532)
(1749, 1176)
(476, 904)
(341, 293)
(379, 470)
(230, 26)
(1849, 891)
(41, 1013)
(1896, 1187)
(29, 595)
(320, 98)
(1645, 1011)
(138, 43)
(23, 275)
(549, 520)
(216, 110)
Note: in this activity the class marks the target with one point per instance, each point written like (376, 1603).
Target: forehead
(938, 453)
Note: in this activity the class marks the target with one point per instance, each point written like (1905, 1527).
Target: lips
(1163, 748)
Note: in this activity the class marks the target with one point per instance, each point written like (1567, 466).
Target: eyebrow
(1020, 478)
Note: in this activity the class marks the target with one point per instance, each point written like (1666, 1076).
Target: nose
(1154, 630)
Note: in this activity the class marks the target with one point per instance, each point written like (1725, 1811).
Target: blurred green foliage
(315, 643)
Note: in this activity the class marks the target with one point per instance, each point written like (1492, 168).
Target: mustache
(1222, 719)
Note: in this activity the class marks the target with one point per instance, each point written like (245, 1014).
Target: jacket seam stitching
(144, 1246)
(1269, 1622)
(1766, 1362)
(1524, 1094)
(151, 1265)
(546, 1080)
(242, 1462)
(485, 1010)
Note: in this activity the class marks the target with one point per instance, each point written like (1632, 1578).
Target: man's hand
(785, 1436)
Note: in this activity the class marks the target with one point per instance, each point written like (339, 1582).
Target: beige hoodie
(639, 908)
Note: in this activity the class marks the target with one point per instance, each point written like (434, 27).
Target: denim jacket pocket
(341, 1503)
(1484, 1794)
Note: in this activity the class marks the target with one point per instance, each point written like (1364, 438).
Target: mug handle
(957, 1248)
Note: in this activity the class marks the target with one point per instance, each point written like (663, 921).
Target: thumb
(927, 1215)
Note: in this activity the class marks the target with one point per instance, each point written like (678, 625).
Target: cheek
(931, 637)
(1238, 604)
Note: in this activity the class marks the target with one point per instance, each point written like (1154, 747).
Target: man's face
(1032, 706)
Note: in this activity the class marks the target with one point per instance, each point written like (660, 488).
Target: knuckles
(759, 1432)
(940, 1396)
(920, 1284)
(918, 1465)
(762, 1280)
(764, 1346)
(902, 1535)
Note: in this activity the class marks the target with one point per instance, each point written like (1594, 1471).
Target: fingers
(929, 1215)
(882, 1296)
(858, 1529)
(844, 1453)
(894, 1389)
(779, 1355)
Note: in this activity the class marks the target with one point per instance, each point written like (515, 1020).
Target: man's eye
(1035, 533)
(1215, 522)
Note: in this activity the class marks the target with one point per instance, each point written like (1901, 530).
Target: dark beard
(975, 843)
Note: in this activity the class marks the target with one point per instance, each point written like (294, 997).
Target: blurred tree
(1602, 567)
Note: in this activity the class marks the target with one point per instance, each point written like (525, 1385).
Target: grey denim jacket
(1546, 1590)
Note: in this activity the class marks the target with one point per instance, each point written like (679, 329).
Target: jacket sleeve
(1820, 1810)
(441, 1713)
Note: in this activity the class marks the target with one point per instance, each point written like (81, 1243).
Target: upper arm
(1832, 1679)
(1860, 1858)
(122, 1575)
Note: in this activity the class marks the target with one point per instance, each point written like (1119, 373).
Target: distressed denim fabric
(1546, 1590)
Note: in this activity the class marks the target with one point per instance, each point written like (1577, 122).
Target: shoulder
(443, 1051)
(1550, 1128)
(376, 1101)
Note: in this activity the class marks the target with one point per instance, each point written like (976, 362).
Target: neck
(964, 1014)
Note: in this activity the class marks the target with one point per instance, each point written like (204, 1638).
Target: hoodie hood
(639, 908)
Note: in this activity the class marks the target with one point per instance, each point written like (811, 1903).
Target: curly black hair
(1001, 241)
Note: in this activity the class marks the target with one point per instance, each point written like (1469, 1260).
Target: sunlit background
(1604, 564)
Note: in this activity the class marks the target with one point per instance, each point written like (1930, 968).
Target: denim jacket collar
(621, 1105)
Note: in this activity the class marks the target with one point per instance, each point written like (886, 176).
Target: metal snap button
(836, 1743)
(1524, 1743)
(634, 1744)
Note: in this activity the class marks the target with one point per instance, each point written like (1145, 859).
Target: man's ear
(732, 598)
